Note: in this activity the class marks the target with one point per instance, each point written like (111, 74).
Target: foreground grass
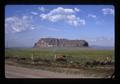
(78, 55)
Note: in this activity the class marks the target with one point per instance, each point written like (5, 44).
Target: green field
(77, 55)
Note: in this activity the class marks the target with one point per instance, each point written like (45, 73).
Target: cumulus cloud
(92, 16)
(65, 14)
(107, 11)
(42, 9)
(18, 24)
(62, 10)
(73, 20)
(76, 9)
(34, 13)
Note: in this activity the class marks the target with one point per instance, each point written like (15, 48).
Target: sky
(26, 24)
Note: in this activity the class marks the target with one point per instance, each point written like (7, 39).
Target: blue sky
(26, 24)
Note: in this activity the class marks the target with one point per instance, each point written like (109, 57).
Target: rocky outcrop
(54, 42)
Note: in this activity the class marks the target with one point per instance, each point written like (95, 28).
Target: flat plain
(79, 60)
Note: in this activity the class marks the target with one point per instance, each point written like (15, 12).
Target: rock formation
(54, 42)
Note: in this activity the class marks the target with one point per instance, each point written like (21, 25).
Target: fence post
(32, 59)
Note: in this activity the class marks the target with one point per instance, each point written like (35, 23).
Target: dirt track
(20, 72)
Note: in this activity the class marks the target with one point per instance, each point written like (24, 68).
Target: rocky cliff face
(54, 42)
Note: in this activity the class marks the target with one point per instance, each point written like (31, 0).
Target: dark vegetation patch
(60, 62)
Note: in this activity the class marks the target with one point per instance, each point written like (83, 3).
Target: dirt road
(20, 72)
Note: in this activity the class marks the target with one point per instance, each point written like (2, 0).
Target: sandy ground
(21, 72)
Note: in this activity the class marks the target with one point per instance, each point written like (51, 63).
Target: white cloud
(108, 11)
(42, 9)
(73, 20)
(64, 14)
(76, 9)
(62, 11)
(92, 16)
(34, 13)
(102, 41)
(18, 24)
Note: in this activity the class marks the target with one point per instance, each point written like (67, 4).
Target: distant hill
(54, 42)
